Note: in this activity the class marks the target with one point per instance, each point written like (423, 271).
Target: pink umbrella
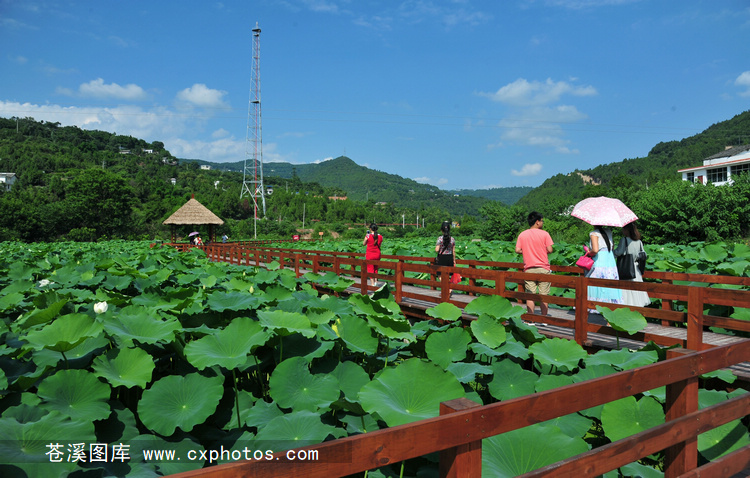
(603, 211)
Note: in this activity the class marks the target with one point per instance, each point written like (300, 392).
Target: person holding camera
(372, 241)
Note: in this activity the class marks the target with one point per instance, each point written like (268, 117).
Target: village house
(719, 168)
(7, 180)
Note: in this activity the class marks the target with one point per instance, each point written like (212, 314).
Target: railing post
(666, 304)
(499, 283)
(296, 265)
(363, 277)
(681, 399)
(695, 318)
(399, 293)
(473, 280)
(580, 328)
(445, 286)
(463, 461)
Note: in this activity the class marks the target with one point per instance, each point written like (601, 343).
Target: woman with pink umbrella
(603, 213)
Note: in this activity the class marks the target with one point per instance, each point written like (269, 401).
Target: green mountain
(363, 184)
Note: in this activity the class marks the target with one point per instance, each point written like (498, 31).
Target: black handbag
(626, 266)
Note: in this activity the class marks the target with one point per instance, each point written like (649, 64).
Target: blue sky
(454, 93)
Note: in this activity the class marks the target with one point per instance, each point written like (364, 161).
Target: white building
(719, 168)
(7, 180)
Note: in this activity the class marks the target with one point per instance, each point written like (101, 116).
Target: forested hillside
(661, 164)
(78, 184)
(670, 210)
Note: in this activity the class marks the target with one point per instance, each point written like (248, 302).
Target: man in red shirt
(535, 243)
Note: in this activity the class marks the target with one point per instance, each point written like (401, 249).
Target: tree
(100, 200)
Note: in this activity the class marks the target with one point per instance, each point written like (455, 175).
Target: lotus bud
(252, 289)
(100, 307)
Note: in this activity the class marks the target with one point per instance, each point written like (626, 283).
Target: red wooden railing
(487, 277)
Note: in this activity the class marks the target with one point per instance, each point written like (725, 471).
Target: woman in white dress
(631, 244)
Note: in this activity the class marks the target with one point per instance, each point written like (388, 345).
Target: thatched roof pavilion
(193, 213)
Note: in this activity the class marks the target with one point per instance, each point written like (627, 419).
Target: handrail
(458, 431)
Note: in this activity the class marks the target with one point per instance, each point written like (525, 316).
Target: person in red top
(535, 243)
(373, 241)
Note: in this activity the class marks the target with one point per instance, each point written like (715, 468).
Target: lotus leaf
(26, 444)
(141, 324)
(293, 430)
(514, 348)
(723, 440)
(714, 252)
(229, 347)
(622, 359)
(723, 374)
(259, 414)
(444, 311)
(467, 372)
(11, 301)
(288, 322)
(42, 316)
(84, 350)
(293, 386)
(392, 327)
(351, 379)
(561, 354)
(548, 382)
(741, 314)
(488, 331)
(625, 417)
(635, 469)
(356, 333)
(308, 348)
(495, 306)
(125, 367)
(77, 394)
(526, 449)
(221, 301)
(623, 319)
(320, 316)
(481, 349)
(64, 333)
(446, 347)
(356, 424)
(525, 333)
(511, 381)
(175, 401)
(410, 391)
(365, 305)
(593, 371)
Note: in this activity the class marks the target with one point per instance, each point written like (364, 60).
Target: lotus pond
(118, 347)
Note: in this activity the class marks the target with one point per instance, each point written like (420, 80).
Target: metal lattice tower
(252, 177)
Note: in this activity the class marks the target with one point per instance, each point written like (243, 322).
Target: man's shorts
(536, 287)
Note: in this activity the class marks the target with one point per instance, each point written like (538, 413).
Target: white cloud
(541, 126)
(220, 133)
(434, 182)
(155, 124)
(744, 81)
(318, 161)
(97, 89)
(530, 93)
(529, 169)
(203, 96)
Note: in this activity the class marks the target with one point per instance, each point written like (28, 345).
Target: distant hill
(661, 164)
(507, 196)
(362, 183)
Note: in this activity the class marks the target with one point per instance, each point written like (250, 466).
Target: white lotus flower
(100, 307)
(44, 282)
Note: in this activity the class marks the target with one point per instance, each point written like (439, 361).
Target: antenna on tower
(252, 177)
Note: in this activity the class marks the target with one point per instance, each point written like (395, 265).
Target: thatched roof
(193, 213)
